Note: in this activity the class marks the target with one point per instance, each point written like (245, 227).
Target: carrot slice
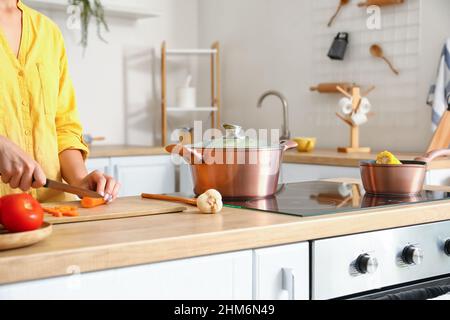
(70, 214)
(61, 211)
(66, 208)
(87, 202)
(54, 212)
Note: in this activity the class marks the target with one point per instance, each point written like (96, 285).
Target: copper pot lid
(234, 138)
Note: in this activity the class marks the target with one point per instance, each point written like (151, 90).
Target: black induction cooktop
(320, 198)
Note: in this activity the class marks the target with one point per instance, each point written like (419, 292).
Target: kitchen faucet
(286, 135)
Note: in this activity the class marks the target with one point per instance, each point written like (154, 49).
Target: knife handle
(34, 180)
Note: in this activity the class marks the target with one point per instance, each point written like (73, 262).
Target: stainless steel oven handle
(289, 282)
(419, 294)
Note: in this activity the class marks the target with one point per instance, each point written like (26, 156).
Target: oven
(404, 263)
(430, 289)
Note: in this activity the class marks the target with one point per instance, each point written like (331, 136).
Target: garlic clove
(210, 202)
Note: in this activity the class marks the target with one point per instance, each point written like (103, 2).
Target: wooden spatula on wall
(441, 138)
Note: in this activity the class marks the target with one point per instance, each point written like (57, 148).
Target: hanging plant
(86, 10)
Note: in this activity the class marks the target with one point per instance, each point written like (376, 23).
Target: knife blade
(51, 184)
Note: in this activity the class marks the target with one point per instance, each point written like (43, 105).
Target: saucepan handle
(190, 155)
(430, 156)
(288, 144)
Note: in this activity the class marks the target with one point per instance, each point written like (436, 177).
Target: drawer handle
(289, 282)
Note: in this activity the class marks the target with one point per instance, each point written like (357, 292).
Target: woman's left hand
(101, 183)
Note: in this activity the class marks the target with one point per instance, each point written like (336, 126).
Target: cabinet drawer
(223, 276)
(281, 273)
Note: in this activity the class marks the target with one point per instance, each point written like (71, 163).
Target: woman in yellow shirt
(40, 132)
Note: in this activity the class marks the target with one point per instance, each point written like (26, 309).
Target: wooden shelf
(215, 107)
(191, 51)
(126, 12)
(196, 109)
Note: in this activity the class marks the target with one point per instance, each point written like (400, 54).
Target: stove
(401, 263)
(317, 198)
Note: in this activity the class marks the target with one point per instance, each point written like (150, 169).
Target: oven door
(437, 289)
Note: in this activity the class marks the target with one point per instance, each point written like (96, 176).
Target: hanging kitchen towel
(439, 96)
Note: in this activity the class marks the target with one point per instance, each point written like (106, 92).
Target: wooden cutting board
(121, 208)
(441, 138)
(10, 241)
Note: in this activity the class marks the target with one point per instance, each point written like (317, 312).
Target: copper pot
(398, 180)
(236, 166)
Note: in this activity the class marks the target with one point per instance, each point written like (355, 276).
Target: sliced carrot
(54, 212)
(67, 208)
(87, 202)
(61, 211)
(70, 214)
(51, 211)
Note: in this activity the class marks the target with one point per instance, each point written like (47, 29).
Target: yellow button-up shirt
(37, 101)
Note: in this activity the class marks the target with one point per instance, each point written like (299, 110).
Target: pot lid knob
(233, 131)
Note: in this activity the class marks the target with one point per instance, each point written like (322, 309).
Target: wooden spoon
(342, 3)
(377, 52)
(163, 197)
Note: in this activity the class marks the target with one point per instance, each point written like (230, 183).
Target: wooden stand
(214, 109)
(354, 129)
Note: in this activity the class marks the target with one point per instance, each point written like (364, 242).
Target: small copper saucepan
(398, 180)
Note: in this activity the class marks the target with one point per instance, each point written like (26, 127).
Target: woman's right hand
(18, 169)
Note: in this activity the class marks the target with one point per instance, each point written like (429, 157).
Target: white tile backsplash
(400, 39)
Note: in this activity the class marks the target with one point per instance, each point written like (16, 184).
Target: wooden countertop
(110, 244)
(124, 151)
(333, 158)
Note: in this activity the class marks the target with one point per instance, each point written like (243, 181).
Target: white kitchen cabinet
(216, 277)
(186, 182)
(438, 177)
(152, 174)
(281, 273)
(100, 164)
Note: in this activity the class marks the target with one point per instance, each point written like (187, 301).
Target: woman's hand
(75, 173)
(102, 184)
(18, 169)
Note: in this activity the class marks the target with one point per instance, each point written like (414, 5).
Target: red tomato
(20, 213)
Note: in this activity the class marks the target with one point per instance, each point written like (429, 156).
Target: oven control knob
(447, 247)
(366, 264)
(412, 255)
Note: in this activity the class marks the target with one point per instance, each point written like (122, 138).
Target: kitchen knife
(50, 184)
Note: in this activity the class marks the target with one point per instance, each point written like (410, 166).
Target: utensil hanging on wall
(339, 46)
(342, 3)
(377, 52)
(380, 3)
(332, 87)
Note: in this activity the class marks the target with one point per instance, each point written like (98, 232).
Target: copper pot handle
(190, 155)
(288, 144)
(430, 156)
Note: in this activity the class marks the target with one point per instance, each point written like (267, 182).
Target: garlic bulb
(210, 202)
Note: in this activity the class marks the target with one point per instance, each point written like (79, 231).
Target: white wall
(268, 44)
(118, 83)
